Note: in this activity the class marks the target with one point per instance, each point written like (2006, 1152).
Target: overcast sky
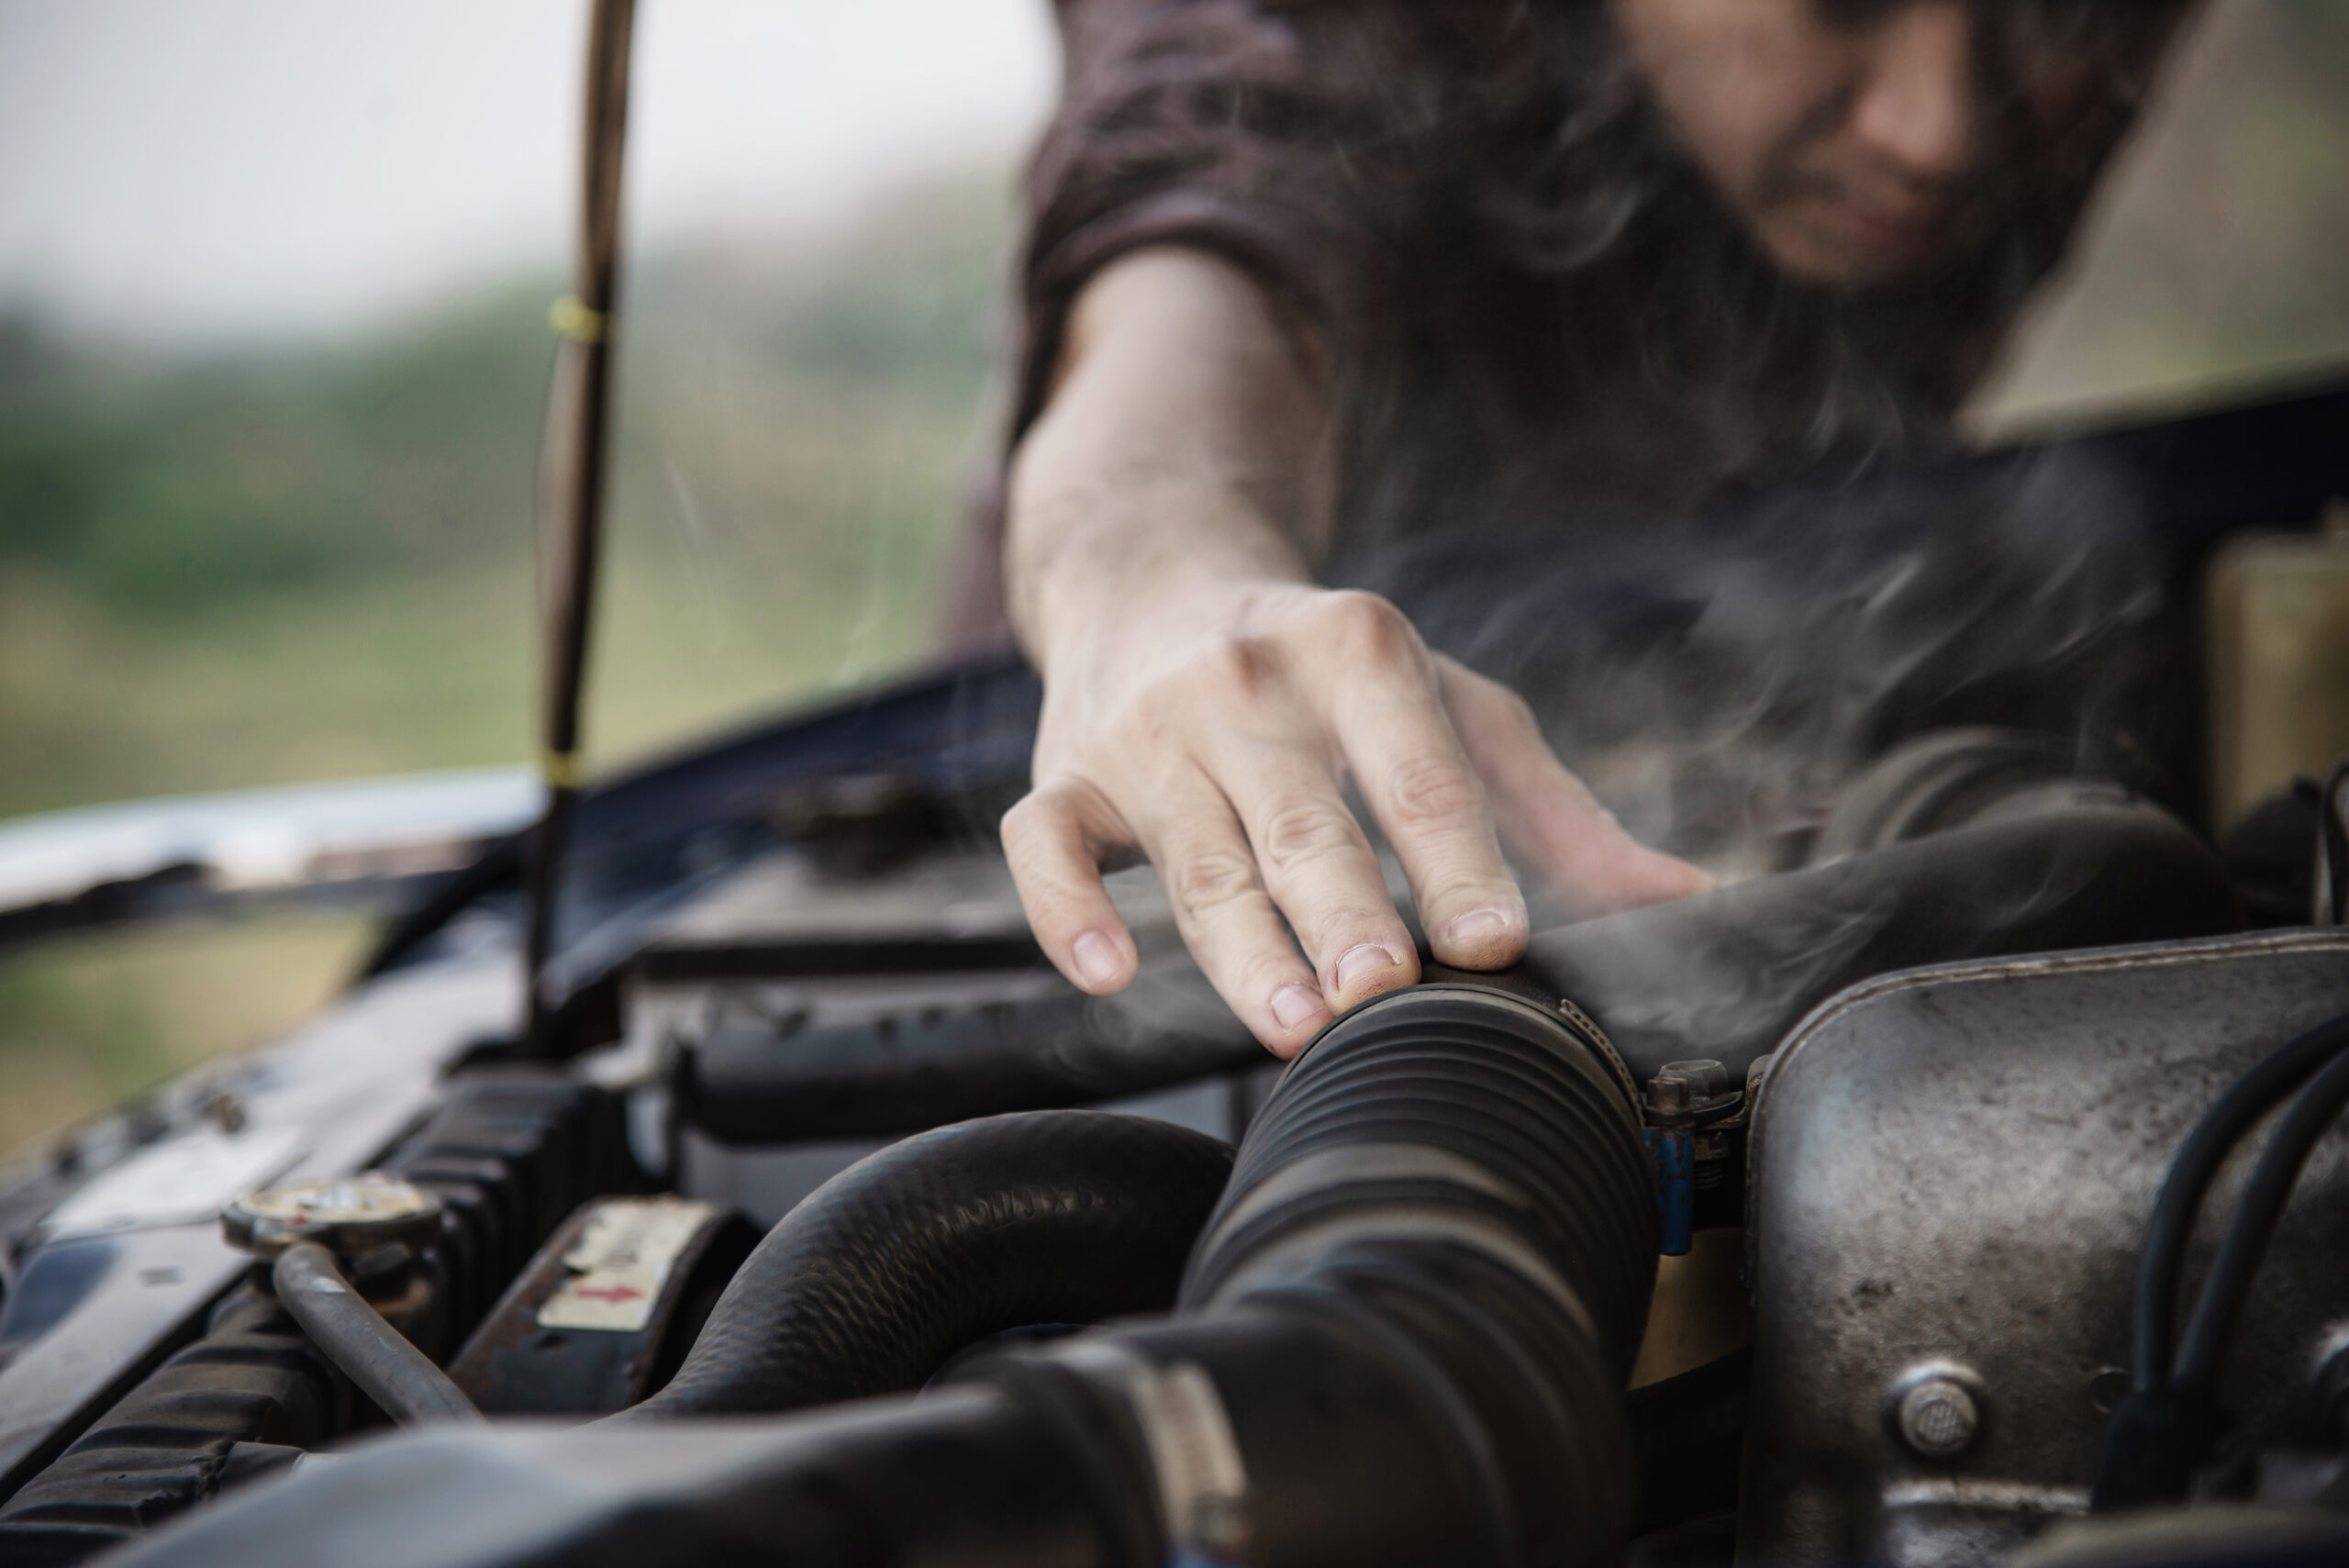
(195, 170)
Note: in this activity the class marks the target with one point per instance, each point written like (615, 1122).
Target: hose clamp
(1201, 1481)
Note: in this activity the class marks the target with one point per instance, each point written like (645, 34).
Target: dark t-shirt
(1533, 307)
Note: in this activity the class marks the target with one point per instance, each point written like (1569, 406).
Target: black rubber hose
(2167, 1425)
(755, 1084)
(398, 1377)
(911, 1254)
(1466, 1097)
(2162, 1265)
(967, 1479)
(1453, 1180)
(2272, 1181)
(1405, 1333)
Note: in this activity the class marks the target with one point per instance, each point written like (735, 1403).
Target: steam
(1717, 680)
(1704, 997)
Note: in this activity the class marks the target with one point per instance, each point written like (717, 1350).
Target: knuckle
(1240, 667)
(1487, 702)
(1033, 815)
(1232, 675)
(1035, 833)
(1511, 710)
(1339, 930)
(1251, 974)
(1304, 831)
(1052, 809)
(1203, 881)
(1367, 629)
(1465, 890)
(1432, 789)
(1058, 911)
(1062, 829)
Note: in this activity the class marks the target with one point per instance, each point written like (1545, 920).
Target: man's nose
(1916, 108)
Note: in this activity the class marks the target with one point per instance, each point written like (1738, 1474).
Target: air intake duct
(1414, 1312)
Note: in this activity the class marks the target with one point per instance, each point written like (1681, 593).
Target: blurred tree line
(337, 536)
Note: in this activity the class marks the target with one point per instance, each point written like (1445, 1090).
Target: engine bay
(1955, 1183)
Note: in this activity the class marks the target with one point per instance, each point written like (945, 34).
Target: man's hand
(1224, 756)
(1207, 703)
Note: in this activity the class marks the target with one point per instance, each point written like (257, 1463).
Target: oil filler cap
(351, 1216)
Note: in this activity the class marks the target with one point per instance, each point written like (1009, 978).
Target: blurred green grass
(314, 564)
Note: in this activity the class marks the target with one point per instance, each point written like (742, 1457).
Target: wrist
(1092, 571)
(1124, 626)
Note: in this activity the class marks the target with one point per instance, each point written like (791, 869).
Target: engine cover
(1950, 1171)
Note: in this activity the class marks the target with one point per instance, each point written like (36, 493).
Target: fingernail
(1361, 961)
(1476, 924)
(1097, 960)
(1292, 1004)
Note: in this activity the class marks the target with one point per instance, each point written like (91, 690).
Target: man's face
(1861, 140)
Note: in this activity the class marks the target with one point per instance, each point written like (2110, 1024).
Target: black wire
(2270, 1189)
(2161, 1266)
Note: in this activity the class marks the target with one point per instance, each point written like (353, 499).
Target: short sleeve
(1305, 142)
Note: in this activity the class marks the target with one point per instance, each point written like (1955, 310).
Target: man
(1309, 276)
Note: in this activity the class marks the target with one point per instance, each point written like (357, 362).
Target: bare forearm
(1184, 445)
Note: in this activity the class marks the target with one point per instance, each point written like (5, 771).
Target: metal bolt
(1939, 1418)
(1667, 1100)
(1703, 1077)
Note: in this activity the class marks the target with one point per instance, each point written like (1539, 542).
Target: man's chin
(1848, 253)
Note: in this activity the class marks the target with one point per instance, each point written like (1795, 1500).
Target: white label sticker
(178, 1182)
(620, 1261)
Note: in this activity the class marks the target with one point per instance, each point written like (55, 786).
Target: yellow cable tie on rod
(561, 770)
(572, 319)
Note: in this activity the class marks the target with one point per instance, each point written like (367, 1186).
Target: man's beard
(1613, 170)
(1614, 203)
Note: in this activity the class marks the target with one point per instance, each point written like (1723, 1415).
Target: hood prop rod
(572, 476)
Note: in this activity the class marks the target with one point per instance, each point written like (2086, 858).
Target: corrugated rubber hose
(934, 1243)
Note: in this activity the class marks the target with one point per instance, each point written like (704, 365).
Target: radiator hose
(939, 1242)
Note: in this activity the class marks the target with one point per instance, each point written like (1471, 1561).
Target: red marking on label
(613, 1293)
